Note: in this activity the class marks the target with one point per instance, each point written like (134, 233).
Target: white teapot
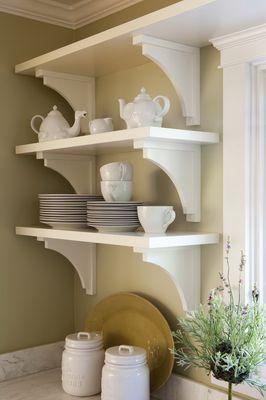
(144, 111)
(55, 126)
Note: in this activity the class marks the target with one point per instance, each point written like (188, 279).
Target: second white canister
(125, 374)
(82, 363)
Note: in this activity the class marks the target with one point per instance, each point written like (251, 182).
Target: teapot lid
(143, 95)
(54, 112)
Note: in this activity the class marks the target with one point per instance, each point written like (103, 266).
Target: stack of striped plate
(113, 217)
(65, 210)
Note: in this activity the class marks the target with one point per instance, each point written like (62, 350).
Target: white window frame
(243, 60)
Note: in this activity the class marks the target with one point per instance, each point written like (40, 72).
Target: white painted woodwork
(176, 253)
(183, 266)
(118, 141)
(182, 163)
(181, 64)
(78, 90)
(81, 255)
(243, 59)
(130, 239)
(189, 22)
(62, 13)
(176, 152)
(78, 169)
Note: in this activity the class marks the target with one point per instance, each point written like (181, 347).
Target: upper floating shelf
(189, 22)
(118, 141)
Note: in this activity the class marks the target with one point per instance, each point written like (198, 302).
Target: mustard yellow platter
(126, 318)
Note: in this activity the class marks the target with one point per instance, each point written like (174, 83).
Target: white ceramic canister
(82, 363)
(125, 374)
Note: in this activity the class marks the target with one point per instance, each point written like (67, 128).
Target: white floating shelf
(189, 22)
(176, 152)
(118, 141)
(131, 239)
(176, 253)
(170, 38)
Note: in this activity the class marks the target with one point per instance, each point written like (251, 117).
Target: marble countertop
(40, 386)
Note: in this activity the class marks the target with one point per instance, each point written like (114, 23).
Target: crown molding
(240, 38)
(69, 16)
(243, 46)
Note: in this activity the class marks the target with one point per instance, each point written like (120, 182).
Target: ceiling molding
(69, 16)
(240, 38)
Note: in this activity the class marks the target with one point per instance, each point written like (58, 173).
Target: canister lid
(125, 355)
(84, 340)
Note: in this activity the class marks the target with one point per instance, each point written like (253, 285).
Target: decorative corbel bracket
(181, 64)
(182, 163)
(77, 90)
(183, 266)
(81, 255)
(79, 170)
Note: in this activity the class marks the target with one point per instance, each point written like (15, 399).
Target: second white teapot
(144, 111)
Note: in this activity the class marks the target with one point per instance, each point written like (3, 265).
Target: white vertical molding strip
(255, 274)
(243, 59)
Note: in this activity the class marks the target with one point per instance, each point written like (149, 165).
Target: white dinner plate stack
(113, 217)
(65, 210)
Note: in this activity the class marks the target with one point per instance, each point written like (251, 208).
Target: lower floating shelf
(178, 253)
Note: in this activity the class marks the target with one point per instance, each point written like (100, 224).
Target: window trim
(243, 59)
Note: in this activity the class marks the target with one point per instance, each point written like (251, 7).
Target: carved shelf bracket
(77, 90)
(182, 163)
(79, 170)
(81, 255)
(181, 64)
(183, 266)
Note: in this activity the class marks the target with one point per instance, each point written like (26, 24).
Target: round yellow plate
(126, 318)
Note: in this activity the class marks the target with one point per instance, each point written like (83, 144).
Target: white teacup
(117, 171)
(117, 190)
(101, 125)
(156, 219)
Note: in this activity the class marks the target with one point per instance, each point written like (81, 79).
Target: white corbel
(79, 170)
(81, 255)
(77, 90)
(182, 163)
(183, 266)
(181, 64)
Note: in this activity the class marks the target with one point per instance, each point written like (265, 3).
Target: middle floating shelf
(177, 152)
(126, 139)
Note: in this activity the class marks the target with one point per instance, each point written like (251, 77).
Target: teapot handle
(166, 105)
(32, 122)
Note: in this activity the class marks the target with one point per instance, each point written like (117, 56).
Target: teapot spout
(74, 130)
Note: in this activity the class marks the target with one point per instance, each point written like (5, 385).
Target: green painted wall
(36, 285)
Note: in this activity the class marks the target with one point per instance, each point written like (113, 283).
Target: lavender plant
(227, 339)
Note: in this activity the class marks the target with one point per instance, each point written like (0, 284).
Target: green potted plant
(226, 338)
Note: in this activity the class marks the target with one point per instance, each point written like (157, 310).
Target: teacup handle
(32, 122)
(123, 169)
(169, 217)
(112, 194)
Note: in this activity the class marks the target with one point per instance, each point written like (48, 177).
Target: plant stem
(230, 391)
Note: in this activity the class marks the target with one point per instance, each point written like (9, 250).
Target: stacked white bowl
(117, 184)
